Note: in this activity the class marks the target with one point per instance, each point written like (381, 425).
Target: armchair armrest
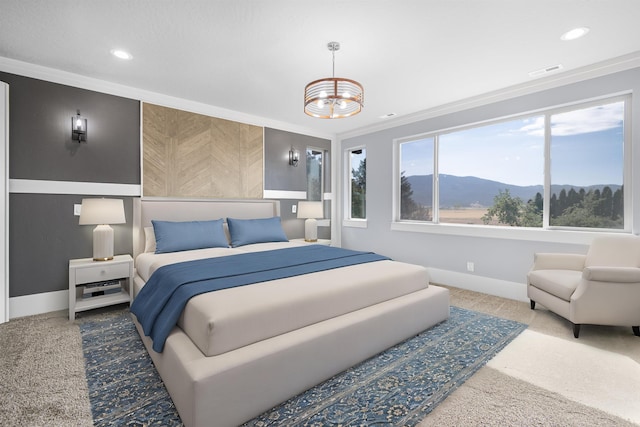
(558, 261)
(612, 274)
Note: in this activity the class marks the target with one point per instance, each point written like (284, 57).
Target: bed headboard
(144, 210)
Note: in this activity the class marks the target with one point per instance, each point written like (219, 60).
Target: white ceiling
(256, 56)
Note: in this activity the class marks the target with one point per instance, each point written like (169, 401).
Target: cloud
(576, 122)
(594, 119)
(534, 127)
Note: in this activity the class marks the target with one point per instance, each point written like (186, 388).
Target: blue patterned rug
(398, 387)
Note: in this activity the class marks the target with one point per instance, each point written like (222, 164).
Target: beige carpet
(510, 390)
(42, 380)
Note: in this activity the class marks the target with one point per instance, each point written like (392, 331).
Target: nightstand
(326, 242)
(94, 284)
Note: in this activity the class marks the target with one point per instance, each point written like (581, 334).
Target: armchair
(600, 288)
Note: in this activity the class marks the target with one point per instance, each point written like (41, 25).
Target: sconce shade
(311, 211)
(78, 128)
(102, 212)
(294, 157)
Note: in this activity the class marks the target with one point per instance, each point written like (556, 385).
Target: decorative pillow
(183, 236)
(149, 240)
(263, 230)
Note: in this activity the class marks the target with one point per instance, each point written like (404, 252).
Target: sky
(586, 149)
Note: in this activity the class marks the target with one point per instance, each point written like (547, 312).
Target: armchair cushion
(612, 274)
(561, 283)
(614, 251)
(558, 261)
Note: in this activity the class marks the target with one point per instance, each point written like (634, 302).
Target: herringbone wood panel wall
(192, 155)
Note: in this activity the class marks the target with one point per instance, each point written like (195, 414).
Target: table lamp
(310, 211)
(102, 212)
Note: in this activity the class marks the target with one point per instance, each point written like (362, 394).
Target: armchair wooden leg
(576, 330)
(533, 304)
(636, 330)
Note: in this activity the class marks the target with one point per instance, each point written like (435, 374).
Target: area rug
(398, 387)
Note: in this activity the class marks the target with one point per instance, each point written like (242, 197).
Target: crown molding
(614, 65)
(53, 75)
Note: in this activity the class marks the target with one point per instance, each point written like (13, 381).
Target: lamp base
(311, 230)
(103, 243)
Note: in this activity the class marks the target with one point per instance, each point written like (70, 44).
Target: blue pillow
(183, 236)
(247, 231)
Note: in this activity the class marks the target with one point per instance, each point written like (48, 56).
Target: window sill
(355, 223)
(577, 237)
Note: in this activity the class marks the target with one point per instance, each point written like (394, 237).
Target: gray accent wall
(496, 258)
(280, 176)
(43, 232)
(41, 147)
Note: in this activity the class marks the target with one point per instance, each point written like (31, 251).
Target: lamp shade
(310, 210)
(102, 211)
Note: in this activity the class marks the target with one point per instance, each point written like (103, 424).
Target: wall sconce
(78, 128)
(294, 157)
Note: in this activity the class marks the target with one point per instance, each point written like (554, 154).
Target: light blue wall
(505, 259)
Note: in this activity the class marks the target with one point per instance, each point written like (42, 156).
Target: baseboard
(45, 302)
(486, 285)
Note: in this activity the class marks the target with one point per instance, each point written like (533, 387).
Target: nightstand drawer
(97, 273)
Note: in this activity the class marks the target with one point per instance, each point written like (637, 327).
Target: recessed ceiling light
(122, 54)
(576, 33)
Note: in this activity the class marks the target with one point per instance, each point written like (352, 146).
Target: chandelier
(333, 97)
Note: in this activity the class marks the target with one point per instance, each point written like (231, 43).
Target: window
(357, 161)
(499, 166)
(314, 174)
(416, 180)
(587, 148)
(494, 174)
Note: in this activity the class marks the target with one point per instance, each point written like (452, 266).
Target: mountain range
(470, 191)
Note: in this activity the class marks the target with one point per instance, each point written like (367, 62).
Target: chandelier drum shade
(333, 97)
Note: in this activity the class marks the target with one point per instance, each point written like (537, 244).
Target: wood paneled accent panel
(193, 155)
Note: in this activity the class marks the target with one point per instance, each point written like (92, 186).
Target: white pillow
(149, 240)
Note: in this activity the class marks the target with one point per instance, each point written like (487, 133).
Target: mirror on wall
(315, 178)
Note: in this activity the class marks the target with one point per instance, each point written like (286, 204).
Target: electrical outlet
(470, 266)
(294, 208)
(77, 209)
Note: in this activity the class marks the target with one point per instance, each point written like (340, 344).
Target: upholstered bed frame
(231, 388)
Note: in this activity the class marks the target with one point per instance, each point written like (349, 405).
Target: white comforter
(225, 320)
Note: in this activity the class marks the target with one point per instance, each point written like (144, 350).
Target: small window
(314, 174)
(358, 183)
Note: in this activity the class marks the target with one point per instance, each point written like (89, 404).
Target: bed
(238, 352)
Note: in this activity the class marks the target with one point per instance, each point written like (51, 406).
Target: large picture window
(494, 174)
